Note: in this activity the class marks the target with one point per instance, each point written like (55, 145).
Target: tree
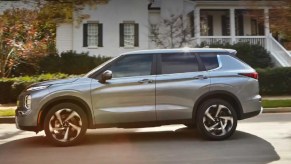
(23, 38)
(279, 15)
(171, 33)
(26, 35)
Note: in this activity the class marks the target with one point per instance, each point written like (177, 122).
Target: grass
(265, 103)
(276, 103)
(7, 112)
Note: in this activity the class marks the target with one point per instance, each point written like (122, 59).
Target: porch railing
(215, 39)
(279, 52)
(259, 40)
(254, 40)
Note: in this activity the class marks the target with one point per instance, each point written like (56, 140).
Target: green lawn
(276, 103)
(266, 104)
(7, 112)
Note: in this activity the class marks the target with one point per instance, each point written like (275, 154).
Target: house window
(129, 35)
(92, 35)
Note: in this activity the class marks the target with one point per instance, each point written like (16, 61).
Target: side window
(209, 60)
(133, 65)
(179, 63)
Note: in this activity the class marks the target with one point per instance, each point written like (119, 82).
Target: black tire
(72, 130)
(222, 125)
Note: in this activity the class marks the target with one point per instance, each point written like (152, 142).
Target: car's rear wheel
(65, 124)
(216, 119)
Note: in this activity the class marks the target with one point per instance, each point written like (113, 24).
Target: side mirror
(106, 75)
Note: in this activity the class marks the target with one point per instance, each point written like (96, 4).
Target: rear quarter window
(209, 60)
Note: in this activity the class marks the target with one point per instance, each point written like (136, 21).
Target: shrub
(70, 63)
(275, 81)
(10, 88)
(255, 55)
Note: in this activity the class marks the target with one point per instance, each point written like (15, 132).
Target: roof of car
(155, 51)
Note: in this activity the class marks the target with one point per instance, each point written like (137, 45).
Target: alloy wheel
(218, 120)
(65, 125)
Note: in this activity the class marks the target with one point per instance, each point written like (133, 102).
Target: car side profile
(199, 87)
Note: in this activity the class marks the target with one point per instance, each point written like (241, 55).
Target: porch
(233, 22)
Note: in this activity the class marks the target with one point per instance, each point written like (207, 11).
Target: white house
(113, 28)
(123, 25)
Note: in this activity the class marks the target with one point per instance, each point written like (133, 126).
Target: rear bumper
(251, 114)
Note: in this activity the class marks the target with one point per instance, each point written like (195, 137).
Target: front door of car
(179, 83)
(130, 95)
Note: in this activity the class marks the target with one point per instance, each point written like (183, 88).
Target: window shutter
(85, 35)
(223, 25)
(136, 37)
(192, 26)
(210, 25)
(121, 35)
(240, 24)
(100, 35)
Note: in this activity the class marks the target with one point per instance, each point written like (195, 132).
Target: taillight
(253, 75)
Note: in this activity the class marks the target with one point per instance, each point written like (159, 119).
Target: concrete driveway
(260, 140)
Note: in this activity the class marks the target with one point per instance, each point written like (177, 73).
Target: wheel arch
(224, 95)
(64, 99)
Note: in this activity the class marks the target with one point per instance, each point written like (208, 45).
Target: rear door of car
(180, 81)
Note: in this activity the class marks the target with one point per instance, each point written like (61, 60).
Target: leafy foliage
(70, 63)
(275, 81)
(10, 88)
(23, 37)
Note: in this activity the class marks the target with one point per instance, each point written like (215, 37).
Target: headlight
(37, 88)
(27, 101)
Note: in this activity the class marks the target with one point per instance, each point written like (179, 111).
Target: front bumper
(27, 121)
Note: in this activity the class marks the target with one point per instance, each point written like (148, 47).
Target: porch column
(232, 25)
(267, 27)
(197, 25)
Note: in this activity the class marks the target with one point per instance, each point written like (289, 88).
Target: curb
(7, 120)
(11, 120)
(277, 110)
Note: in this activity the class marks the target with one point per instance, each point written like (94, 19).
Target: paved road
(260, 140)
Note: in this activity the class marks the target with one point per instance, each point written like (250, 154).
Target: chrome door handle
(200, 77)
(146, 81)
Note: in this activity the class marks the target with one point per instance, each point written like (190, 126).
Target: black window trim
(97, 74)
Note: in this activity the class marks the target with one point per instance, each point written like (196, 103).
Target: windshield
(99, 67)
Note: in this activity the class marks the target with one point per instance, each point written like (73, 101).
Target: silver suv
(203, 87)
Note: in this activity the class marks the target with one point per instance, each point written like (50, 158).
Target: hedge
(69, 62)
(10, 88)
(275, 81)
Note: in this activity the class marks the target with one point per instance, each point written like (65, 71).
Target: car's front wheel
(216, 119)
(65, 124)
